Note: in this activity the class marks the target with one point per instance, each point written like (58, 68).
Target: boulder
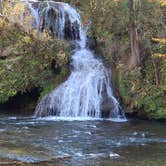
(107, 106)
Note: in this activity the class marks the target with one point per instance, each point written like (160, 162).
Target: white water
(82, 94)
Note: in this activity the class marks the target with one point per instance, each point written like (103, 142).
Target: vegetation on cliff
(28, 59)
(129, 35)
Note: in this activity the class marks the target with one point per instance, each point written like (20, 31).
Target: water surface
(87, 142)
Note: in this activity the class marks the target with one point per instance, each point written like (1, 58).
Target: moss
(53, 82)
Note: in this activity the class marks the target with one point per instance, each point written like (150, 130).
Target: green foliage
(26, 58)
(139, 91)
(142, 89)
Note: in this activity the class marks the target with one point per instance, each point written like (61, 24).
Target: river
(52, 141)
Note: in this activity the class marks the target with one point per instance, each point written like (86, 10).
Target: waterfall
(83, 93)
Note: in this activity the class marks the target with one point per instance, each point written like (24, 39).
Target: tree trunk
(135, 53)
(1, 11)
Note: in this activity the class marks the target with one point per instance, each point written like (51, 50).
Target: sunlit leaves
(26, 55)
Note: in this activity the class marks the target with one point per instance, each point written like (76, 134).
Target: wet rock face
(107, 106)
(71, 30)
(53, 18)
(48, 24)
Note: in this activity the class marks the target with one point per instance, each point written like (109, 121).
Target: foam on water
(118, 119)
(55, 118)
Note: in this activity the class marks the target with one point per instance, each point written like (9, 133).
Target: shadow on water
(30, 141)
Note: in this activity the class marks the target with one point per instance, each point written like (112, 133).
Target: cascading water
(82, 94)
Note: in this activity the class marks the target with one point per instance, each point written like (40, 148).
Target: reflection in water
(95, 142)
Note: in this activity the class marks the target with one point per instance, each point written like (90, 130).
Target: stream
(54, 141)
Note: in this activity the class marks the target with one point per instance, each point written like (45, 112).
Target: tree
(135, 53)
(1, 7)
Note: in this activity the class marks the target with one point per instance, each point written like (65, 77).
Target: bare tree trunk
(155, 73)
(1, 10)
(135, 53)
